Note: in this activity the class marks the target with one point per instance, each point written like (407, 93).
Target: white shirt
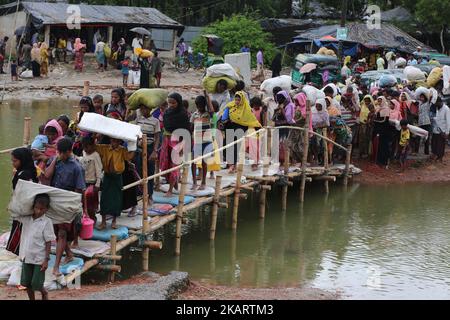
(442, 120)
(35, 233)
(137, 43)
(100, 46)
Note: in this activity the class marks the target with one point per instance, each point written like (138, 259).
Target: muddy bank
(422, 170)
(175, 285)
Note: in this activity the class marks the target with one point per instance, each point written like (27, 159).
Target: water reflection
(368, 242)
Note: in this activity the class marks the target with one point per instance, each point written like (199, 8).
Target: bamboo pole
(347, 165)
(27, 131)
(269, 143)
(86, 86)
(145, 251)
(325, 160)
(113, 244)
(157, 178)
(88, 265)
(284, 191)
(262, 203)
(215, 208)
(180, 209)
(155, 245)
(237, 192)
(305, 151)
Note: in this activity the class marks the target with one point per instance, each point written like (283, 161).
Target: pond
(379, 242)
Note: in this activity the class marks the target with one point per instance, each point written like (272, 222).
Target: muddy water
(370, 242)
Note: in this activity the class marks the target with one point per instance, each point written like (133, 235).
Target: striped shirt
(149, 126)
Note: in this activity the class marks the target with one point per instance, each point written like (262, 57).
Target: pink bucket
(87, 228)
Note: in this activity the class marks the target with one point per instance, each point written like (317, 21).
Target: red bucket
(87, 228)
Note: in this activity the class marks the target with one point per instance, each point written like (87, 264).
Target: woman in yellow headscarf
(238, 116)
(44, 59)
(364, 132)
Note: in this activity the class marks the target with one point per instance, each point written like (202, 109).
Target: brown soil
(423, 171)
(201, 291)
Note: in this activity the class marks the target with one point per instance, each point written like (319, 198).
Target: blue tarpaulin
(350, 49)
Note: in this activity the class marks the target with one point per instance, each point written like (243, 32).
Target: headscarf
(121, 42)
(289, 108)
(35, 53)
(395, 114)
(27, 168)
(347, 60)
(364, 112)
(319, 117)
(242, 114)
(78, 45)
(43, 46)
(301, 99)
(383, 108)
(50, 152)
(333, 111)
(176, 118)
(405, 105)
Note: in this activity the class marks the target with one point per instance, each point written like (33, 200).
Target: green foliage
(237, 31)
(433, 13)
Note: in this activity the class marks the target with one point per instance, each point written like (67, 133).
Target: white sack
(414, 74)
(222, 70)
(284, 82)
(64, 205)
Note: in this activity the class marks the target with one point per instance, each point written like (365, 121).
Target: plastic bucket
(87, 228)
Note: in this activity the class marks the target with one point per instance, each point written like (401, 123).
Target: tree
(237, 31)
(432, 13)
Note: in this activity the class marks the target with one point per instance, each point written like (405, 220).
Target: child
(98, 103)
(213, 107)
(92, 165)
(151, 127)
(40, 141)
(66, 173)
(54, 133)
(14, 76)
(35, 244)
(403, 144)
(202, 138)
(125, 71)
(113, 157)
(261, 115)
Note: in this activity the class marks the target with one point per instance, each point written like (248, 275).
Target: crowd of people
(36, 56)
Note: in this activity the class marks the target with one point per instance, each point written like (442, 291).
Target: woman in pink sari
(79, 54)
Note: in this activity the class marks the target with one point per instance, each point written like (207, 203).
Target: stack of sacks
(151, 98)
(223, 71)
(284, 82)
(143, 53)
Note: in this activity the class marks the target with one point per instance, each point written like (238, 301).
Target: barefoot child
(113, 157)
(92, 165)
(404, 143)
(201, 127)
(66, 173)
(37, 235)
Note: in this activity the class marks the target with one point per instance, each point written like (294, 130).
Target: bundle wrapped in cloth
(326, 52)
(113, 128)
(434, 76)
(313, 94)
(210, 83)
(387, 81)
(64, 205)
(414, 74)
(222, 70)
(284, 82)
(143, 53)
(151, 98)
